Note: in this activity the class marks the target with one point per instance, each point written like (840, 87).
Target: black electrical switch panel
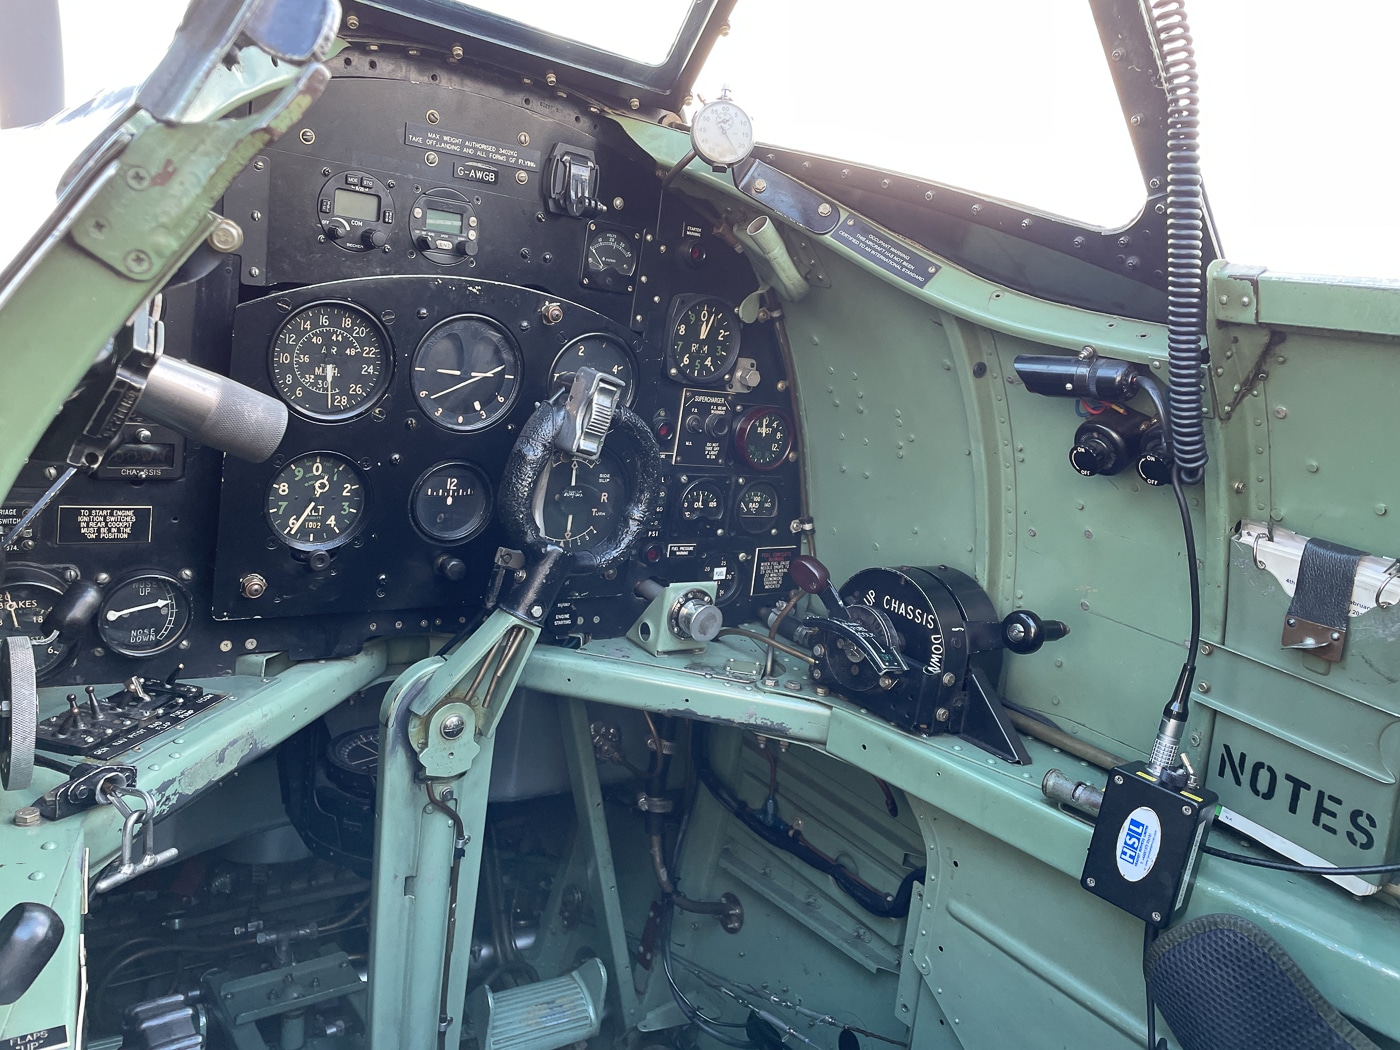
(1146, 843)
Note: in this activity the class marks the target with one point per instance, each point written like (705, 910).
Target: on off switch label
(104, 524)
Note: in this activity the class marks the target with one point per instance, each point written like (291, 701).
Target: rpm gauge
(577, 503)
(704, 339)
(144, 615)
(330, 361)
(316, 501)
(466, 374)
(606, 353)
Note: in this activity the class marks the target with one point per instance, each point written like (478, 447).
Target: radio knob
(373, 237)
(337, 228)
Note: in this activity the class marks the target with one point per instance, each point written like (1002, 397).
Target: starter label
(104, 524)
(1138, 841)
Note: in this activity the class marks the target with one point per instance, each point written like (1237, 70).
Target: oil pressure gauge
(144, 615)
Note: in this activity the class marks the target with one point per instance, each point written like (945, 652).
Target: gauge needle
(448, 371)
(304, 515)
(330, 383)
(464, 382)
(117, 614)
(705, 325)
(10, 606)
(569, 528)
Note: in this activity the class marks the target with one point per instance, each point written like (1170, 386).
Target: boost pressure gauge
(763, 438)
(722, 133)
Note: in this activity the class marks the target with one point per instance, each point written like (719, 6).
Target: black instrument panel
(410, 345)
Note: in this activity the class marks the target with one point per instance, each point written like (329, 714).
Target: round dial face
(451, 503)
(353, 759)
(763, 438)
(466, 374)
(704, 341)
(703, 500)
(23, 606)
(606, 353)
(722, 134)
(610, 251)
(577, 504)
(316, 501)
(144, 615)
(757, 508)
(330, 361)
(724, 569)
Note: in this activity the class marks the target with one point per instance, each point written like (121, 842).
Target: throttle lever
(815, 578)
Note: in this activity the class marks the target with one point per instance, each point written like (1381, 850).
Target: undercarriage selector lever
(921, 648)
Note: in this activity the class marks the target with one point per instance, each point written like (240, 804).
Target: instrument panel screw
(1239, 487)
(352, 21)
(823, 209)
(457, 52)
(1091, 882)
(537, 611)
(1203, 687)
(452, 727)
(634, 103)
(1118, 779)
(1156, 916)
(950, 679)
(1280, 412)
(1207, 648)
(307, 136)
(1186, 811)
(522, 177)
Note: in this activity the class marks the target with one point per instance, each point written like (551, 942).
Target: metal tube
(1058, 787)
(1058, 738)
(763, 237)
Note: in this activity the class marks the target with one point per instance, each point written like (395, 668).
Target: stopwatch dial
(606, 353)
(704, 340)
(757, 508)
(23, 606)
(330, 361)
(451, 503)
(316, 501)
(466, 374)
(722, 133)
(577, 504)
(610, 251)
(703, 500)
(763, 437)
(144, 615)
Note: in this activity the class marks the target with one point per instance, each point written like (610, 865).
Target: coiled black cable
(1186, 217)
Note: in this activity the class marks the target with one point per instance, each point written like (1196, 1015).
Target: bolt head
(452, 727)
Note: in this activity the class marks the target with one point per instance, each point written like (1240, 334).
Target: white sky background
(1012, 98)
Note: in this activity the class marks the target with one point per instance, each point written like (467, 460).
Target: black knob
(450, 568)
(717, 424)
(337, 228)
(1025, 632)
(74, 609)
(694, 424)
(1155, 464)
(1094, 456)
(373, 237)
